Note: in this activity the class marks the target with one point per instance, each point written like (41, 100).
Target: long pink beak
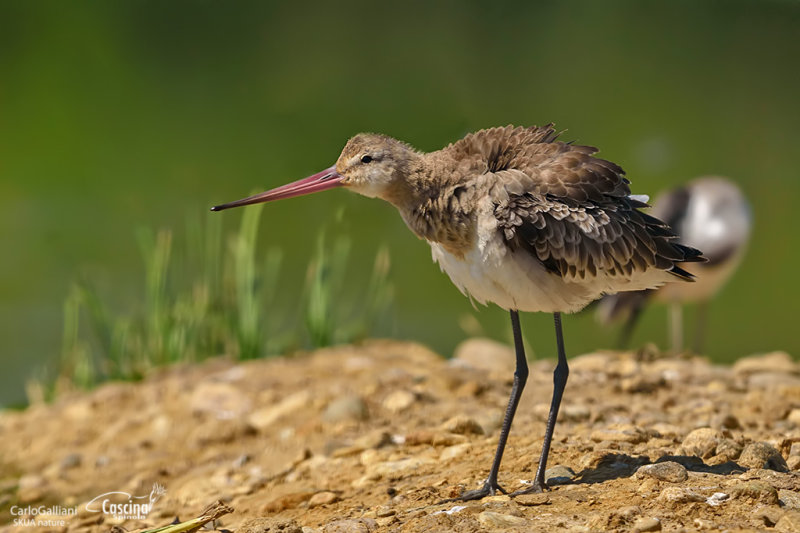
(327, 179)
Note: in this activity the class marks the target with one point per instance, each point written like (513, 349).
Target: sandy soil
(373, 437)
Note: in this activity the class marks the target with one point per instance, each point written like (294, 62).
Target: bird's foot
(488, 489)
(537, 487)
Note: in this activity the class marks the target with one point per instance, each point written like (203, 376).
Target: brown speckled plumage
(557, 200)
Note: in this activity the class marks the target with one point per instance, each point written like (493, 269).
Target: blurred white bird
(709, 213)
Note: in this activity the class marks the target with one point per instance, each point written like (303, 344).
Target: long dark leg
(560, 376)
(628, 327)
(676, 326)
(635, 302)
(520, 377)
(700, 332)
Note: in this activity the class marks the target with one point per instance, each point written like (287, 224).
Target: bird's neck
(430, 201)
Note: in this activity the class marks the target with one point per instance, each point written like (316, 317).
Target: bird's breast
(434, 220)
(488, 270)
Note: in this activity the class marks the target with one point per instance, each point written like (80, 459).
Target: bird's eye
(366, 159)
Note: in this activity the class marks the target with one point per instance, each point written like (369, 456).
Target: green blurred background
(127, 114)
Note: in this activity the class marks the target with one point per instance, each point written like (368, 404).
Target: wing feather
(571, 210)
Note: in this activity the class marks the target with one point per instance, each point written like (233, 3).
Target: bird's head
(374, 165)
(370, 164)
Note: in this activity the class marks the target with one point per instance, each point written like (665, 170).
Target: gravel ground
(373, 437)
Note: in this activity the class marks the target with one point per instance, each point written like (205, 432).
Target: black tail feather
(690, 255)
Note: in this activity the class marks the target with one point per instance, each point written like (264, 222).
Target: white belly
(491, 272)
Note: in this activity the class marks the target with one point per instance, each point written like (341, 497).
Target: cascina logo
(124, 506)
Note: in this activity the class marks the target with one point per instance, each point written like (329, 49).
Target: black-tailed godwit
(518, 218)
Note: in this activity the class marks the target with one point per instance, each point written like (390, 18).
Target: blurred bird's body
(709, 213)
(517, 218)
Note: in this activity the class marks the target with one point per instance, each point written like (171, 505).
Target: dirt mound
(373, 437)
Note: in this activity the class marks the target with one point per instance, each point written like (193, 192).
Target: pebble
(717, 498)
(703, 523)
(717, 386)
(701, 442)
(453, 510)
(629, 434)
(344, 451)
(264, 417)
(364, 482)
(487, 355)
(31, 488)
(790, 521)
(395, 467)
(762, 455)
(647, 524)
(728, 449)
(350, 407)
(590, 363)
(423, 436)
(323, 498)
(384, 510)
(491, 420)
(457, 450)
(759, 491)
(399, 400)
(575, 413)
(386, 521)
(768, 514)
(469, 389)
(434, 437)
(496, 498)
(592, 459)
(679, 495)
(779, 362)
(269, 525)
(614, 520)
(666, 430)
(726, 421)
(559, 475)
(669, 471)
(770, 381)
(494, 519)
(370, 456)
(357, 525)
(530, 500)
(241, 460)
(448, 439)
(374, 439)
(288, 501)
(647, 486)
(462, 425)
(789, 499)
(222, 400)
(793, 462)
(640, 384)
(72, 460)
(302, 455)
(217, 432)
(628, 512)
(794, 416)
(626, 365)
